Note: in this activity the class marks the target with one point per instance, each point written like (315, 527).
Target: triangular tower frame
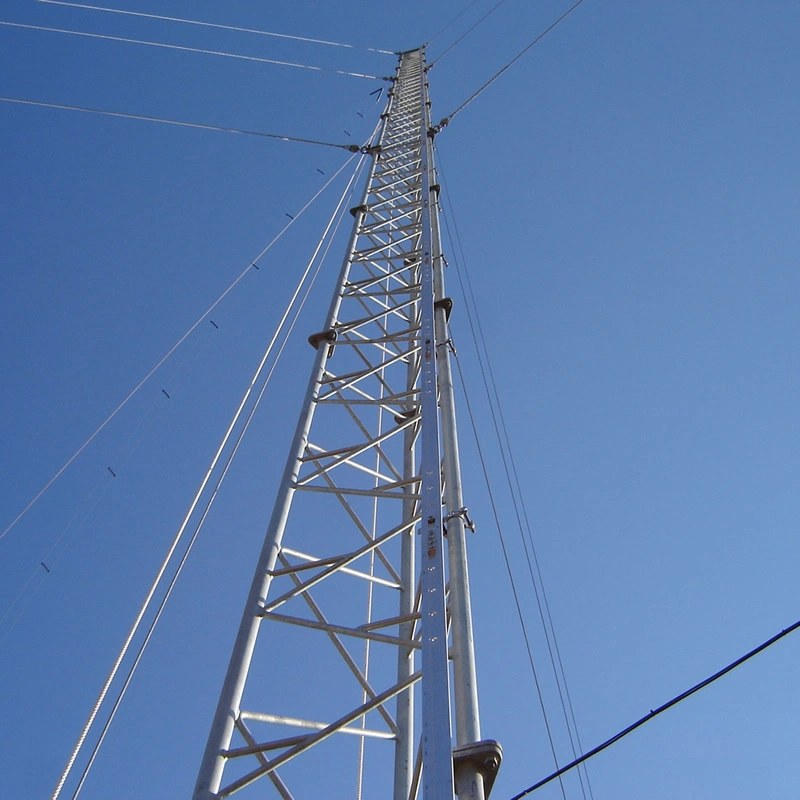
(373, 485)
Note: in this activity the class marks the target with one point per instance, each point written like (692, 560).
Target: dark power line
(660, 710)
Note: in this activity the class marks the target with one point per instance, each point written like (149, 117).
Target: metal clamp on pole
(316, 339)
(464, 514)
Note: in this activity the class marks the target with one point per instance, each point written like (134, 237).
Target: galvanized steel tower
(360, 603)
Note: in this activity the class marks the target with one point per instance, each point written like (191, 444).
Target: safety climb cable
(186, 49)
(660, 710)
(195, 502)
(465, 34)
(216, 25)
(351, 148)
(513, 481)
(337, 216)
(449, 118)
(252, 263)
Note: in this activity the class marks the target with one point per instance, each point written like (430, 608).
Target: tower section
(341, 669)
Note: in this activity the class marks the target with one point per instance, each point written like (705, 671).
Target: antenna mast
(324, 670)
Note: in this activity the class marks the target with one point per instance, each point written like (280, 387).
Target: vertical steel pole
(469, 781)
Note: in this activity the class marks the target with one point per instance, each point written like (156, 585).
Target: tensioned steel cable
(193, 505)
(516, 58)
(507, 560)
(52, 555)
(187, 49)
(453, 21)
(351, 148)
(512, 478)
(181, 340)
(216, 25)
(660, 710)
(337, 216)
(465, 34)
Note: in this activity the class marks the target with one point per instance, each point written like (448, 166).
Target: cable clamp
(443, 123)
(369, 150)
(448, 343)
(464, 514)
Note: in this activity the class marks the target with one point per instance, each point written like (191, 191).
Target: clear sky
(627, 196)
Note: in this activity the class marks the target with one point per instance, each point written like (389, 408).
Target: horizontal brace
(391, 222)
(341, 629)
(340, 565)
(313, 739)
(381, 339)
(386, 401)
(386, 623)
(402, 206)
(371, 252)
(412, 254)
(361, 492)
(389, 201)
(389, 227)
(345, 570)
(317, 562)
(352, 378)
(391, 274)
(277, 719)
(351, 452)
(392, 237)
(344, 327)
(405, 289)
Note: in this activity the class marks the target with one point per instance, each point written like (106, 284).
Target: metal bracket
(316, 339)
(483, 757)
(447, 304)
(464, 514)
(448, 343)
(404, 416)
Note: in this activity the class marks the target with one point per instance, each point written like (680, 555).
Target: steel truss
(336, 597)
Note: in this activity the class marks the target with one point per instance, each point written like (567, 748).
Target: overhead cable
(217, 25)
(453, 21)
(335, 219)
(185, 49)
(519, 55)
(169, 352)
(507, 559)
(352, 148)
(509, 466)
(660, 710)
(466, 33)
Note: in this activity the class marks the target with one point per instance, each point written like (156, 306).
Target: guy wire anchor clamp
(464, 514)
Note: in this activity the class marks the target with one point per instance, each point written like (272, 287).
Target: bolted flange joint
(483, 757)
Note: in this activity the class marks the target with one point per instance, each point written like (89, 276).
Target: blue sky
(627, 197)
